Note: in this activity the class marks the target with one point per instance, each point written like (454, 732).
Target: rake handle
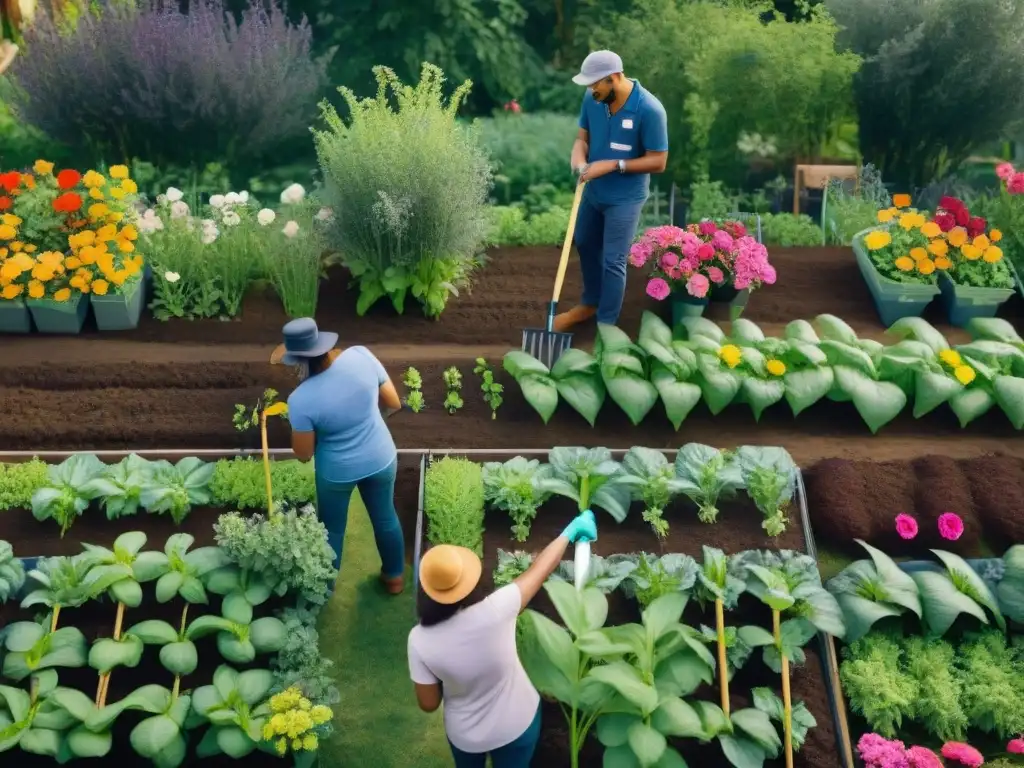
(563, 262)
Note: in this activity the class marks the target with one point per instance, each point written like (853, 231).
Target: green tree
(938, 80)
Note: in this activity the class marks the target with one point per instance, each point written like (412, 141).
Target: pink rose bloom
(1016, 746)
(1005, 170)
(658, 289)
(878, 752)
(722, 240)
(690, 249)
(922, 757)
(666, 237)
(697, 286)
(962, 753)
(668, 260)
(707, 228)
(951, 527)
(640, 253)
(716, 275)
(1015, 184)
(689, 263)
(688, 238)
(675, 273)
(906, 526)
(706, 252)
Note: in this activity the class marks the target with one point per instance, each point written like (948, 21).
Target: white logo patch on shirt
(627, 124)
(622, 147)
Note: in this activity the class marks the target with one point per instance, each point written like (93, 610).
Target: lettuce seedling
(236, 705)
(707, 474)
(657, 576)
(588, 476)
(159, 737)
(178, 571)
(769, 475)
(511, 565)
(119, 488)
(239, 637)
(175, 488)
(766, 701)
(47, 720)
(652, 480)
(605, 574)
(30, 647)
(511, 487)
(66, 496)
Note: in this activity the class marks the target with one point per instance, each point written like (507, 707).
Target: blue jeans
(378, 495)
(516, 754)
(603, 236)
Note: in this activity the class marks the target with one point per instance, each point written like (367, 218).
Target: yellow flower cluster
(961, 371)
(293, 720)
(775, 367)
(923, 247)
(731, 355)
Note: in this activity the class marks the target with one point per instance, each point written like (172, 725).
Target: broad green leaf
(942, 603)
(234, 742)
(967, 581)
(900, 586)
(613, 729)
(127, 591)
(234, 649)
(179, 658)
(754, 636)
(18, 702)
(741, 751)
(192, 591)
(1009, 394)
(207, 625)
(577, 378)
(534, 379)
(556, 644)
(801, 330)
(678, 397)
(254, 684)
(919, 330)
(153, 735)
(569, 604)
(757, 725)
(154, 632)
(235, 608)
(21, 636)
(41, 741)
(647, 743)
(674, 717)
(760, 394)
(833, 329)
(1010, 589)
(83, 743)
(107, 653)
(744, 330)
(167, 586)
(972, 403)
(149, 566)
(932, 389)
(620, 757)
(268, 634)
(701, 326)
(860, 614)
(148, 698)
(839, 354)
(995, 329)
(807, 387)
(878, 402)
(718, 385)
(664, 612)
(681, 674)
(626, 381)
(626, 680)
(671, 759)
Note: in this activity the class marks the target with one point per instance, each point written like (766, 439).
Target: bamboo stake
(101, 690)
(266, 463)
(723, 671)
(53, 620)
(787, 702)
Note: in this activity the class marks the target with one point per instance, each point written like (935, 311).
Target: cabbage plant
(66, 496)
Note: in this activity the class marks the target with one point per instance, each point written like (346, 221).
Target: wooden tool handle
(567, 245)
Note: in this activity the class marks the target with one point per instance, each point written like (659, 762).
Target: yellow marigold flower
(52, 258)
(7, 232)
(943, 262)
(10, 218)
(11, 291)
(72, 262)
(3, 253)
(305, 704)
(310, 742)
(117, 193)
(938, 247)
(29, 248)
(62, 295)
(98, 210)
(995, 235)
(950, 357)
(100, 287)
(908, 221)
(321, 714)
(970, 252)
(96, 193)
(904, 263)
(125, 246)
(981, 243)
(964, 374)
(42, 167)
(992, 254)
(118, 171)
(918, 253)
(129, 186)
(28, 180)
(11, 270)
(281, 746)
(901, 201)
(731, 355)
(957, 236)
(931, 230)
(886, 215)
(16, 245)
(93, 180)
(128, 232)
(926, 266)
(877, 240)
(114, 217)
(80, 283)
(36, 290)
(106, 232)
(775, 367)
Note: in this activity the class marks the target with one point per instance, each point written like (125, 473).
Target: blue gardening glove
(582, 528)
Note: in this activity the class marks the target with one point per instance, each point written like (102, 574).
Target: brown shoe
(578, 314)
(393, 586)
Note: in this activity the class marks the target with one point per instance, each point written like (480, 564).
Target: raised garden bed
(738, 529)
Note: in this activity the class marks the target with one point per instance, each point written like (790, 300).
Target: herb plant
(18, 483)
(511, 487)
(453, 389)
(453, 501)
(12, 573)
(414, 383)
(65, 496)
(119, 487)
(240, 482)
(993, 684)
(246, 418)
(588, 476)
(511, 565)
(492, 390)
(173, 489)
(769, 476)
(652, 480)
(299, 662)
(932, 664)
(706, 474)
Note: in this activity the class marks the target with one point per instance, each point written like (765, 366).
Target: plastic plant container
(59, 316)
(14, 316)
(963, 303)
(119, 311)
(893, 300)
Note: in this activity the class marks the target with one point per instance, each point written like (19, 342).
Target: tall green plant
(409, 187)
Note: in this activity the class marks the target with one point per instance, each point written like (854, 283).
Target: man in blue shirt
(623, 139)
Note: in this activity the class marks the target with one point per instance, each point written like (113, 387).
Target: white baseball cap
(597, 66)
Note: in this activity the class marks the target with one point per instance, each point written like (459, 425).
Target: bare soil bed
(850, 500)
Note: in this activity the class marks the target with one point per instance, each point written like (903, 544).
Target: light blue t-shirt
(640, 126)
(341, 406)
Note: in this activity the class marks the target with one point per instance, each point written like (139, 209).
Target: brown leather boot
(393, 586)
(578, 314)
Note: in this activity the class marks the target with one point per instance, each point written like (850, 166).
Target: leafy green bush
(240, 482)
(453, 501)
(789, 231)
(528, 149)
(409, 188)
(19, 481)
(848, 212)
(510, 226)
(926, 66)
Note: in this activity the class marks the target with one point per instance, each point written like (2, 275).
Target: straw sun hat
(449, 573)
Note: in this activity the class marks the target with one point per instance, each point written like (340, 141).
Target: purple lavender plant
(172, 88)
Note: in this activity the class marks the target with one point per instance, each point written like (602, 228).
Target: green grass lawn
(364, 631)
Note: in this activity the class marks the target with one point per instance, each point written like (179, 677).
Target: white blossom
(209, 235)
(174, 194)
(179, 210)
(325, 214)
(172, 277)
(161, 199)
(243, 196)
(232, 198)
(217, 201)
(231, 218)
(291, 229)
(208, 224)
(293, 194)
(266, 216)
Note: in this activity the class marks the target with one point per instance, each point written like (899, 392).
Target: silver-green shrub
(409, 186)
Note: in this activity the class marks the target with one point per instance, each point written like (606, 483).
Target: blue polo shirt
(640, 126)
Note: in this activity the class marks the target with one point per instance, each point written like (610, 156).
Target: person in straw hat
(464, 652)
(336, 417)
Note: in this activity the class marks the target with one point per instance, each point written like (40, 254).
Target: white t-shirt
(488, 699)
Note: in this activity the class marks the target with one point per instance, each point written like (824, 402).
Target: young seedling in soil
(707, 475)
(653, 481)
(453, 389)
(491, 389)
(769, 475)
(414, 383)
(510, 486)
(246, 418)
(66, 496)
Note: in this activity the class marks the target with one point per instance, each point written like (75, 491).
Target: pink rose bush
(964, 754)
(1011, 177)
(879, 752)
(700, 258)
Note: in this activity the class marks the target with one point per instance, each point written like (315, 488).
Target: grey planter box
(59, 316)
(14, 316)
(119, 311)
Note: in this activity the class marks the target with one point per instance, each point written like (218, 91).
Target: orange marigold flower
(938, 247)
(926, 267)
(981, 242)
(957, 236)
(5, 203)
(943, 262)
(931, 229)
(100, 287)
(62, 295)
(69, 202)
(68, 178)
(918, 253)
(36, 290)
(901, 201)
(904, 263)
(995, 235)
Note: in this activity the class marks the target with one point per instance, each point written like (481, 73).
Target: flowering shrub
(296, 724)
(915, 246)
(66, 234)
(964, 754)
(701, 259)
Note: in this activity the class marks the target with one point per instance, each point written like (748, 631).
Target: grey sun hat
(303, 340)
(597, 66)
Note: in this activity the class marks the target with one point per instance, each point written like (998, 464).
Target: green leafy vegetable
(18, 483)
(511, 565)
(932, 664)
(657, 576)
(876, 686)
(625, 369)
(65, 497)
(453, 501)
(119, 488)
(606, 574)
(510, 487)
(769, 475)
(12, 573)
(707, 474)
(588, 476)
(175, 488)
(653, 481)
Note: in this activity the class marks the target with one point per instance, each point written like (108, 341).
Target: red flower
(951, 204)
(945, 220)
(976, 226)
(68, 178)
(69, 202)
(5, 203)
(10, 180)
(962, 216)
(706, 252)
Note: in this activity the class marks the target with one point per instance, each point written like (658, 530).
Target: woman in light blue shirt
(337, 417)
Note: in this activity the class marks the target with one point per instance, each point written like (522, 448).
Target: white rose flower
(174, 194)
(209, 236)
(325, 214)
(231, 218)
(266, 216)
(217, 201)
(243, 196)
(179, 210)
(291, 229)
(232, 198)
(172, 277)
(293, 194)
